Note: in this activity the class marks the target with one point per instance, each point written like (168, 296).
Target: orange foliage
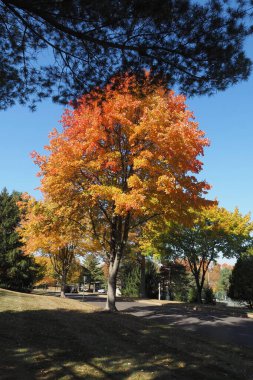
(48, 278)
(135, 149)
(126, 154)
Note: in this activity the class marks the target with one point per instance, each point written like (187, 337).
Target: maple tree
(48, 278)
(126, 154)
(43, 228)
(214, 231)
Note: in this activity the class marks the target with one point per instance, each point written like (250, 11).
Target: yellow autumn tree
(126, 154)
(46, 230)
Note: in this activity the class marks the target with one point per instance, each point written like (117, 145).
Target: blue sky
(227, 119)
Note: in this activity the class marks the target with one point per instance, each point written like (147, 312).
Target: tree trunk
(143, 276)
(199, 287)
(119, 236)
(111, 291)
(199, 294)
(63, 284)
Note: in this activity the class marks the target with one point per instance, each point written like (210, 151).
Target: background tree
(241, 285)
(125, 156)
(49, 276)
(130, 276)
(174, 280)
(75, 272)
(223, 282)
(136, 258)
(152, 279)
(213, 276)
(44, 228)
(196, 45)
(17, 271)
(93, 270)
(214, 231)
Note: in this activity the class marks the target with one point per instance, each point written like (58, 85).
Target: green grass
(49, 338)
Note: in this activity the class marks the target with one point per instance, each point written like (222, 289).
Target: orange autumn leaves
(134, 150)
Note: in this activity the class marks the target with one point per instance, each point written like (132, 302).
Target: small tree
(131, 281)
(45, 229)
(75, 272)
(175, 280)
(151, 279)
(93, 269)
(209, 295)
(17, 271)
(223, 282)
(241, 284)
(214, 230)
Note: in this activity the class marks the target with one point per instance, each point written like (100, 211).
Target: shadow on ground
(60, 344)
(229, 326)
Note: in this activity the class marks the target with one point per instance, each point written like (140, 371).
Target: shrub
(209, 295)
(192, 295)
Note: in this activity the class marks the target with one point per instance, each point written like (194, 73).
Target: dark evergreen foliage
(241, 280)
(130, 276)
(209, 297)
(152, 279)
(92, 270)
(174, 278)
(63, 48)
(17, 270)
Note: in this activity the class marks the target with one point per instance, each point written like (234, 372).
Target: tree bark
(63, 284)
(199, 286)
(119, 236)
(199, 293)
(111, 291)
(143, 275)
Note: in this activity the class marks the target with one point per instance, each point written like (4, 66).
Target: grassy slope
(49, 338)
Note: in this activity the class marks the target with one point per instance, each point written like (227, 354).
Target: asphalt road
(221, 325)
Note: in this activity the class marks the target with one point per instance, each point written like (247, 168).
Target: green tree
(130, 274)
(196, 45)
(241, 284)
(92, 269)
(17, 270)
(174, 280)
(223, 282)
(214, 230)
(209, 295)
(151, 279)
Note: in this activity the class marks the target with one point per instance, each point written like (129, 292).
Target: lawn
(45, 337)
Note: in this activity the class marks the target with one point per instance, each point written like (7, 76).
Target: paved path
(220, 325)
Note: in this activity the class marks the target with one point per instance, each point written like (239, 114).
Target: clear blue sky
(227, 119)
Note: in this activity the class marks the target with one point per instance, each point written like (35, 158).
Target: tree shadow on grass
(60, 344)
